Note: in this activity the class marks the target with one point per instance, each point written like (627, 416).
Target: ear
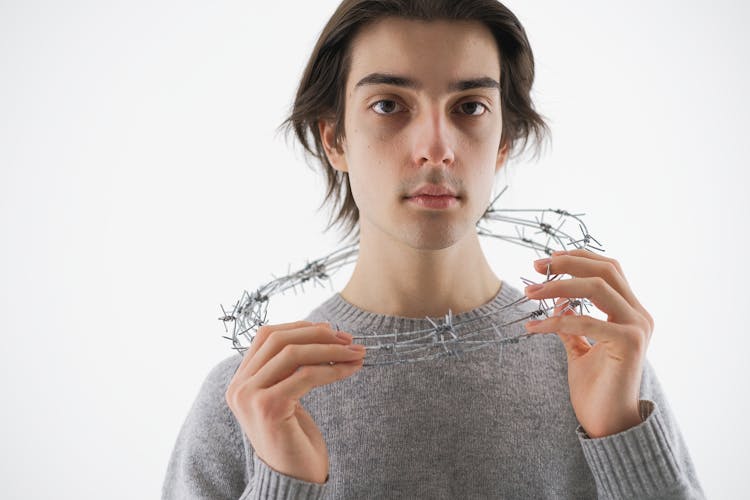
(502, 156)
(334, 152)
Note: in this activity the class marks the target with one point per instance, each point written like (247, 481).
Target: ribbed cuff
(634, 463)
(268, 483)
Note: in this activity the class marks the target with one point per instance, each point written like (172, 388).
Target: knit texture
(496, 422)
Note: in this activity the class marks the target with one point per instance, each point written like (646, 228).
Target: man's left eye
(472, 107)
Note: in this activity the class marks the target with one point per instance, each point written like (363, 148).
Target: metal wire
(445, 337)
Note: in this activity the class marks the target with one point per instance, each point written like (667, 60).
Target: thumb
(575, 345)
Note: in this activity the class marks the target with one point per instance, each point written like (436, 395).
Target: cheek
(481, 158)
(374, 155)
(485, 137)
(384, 141)
(477, 150)
(483, 144)
(367, 174)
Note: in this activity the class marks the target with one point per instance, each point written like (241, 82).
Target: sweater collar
(344, 315)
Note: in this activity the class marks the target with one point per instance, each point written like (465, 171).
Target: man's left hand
(604, 378)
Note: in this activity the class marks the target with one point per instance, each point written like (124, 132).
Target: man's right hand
(284, 362)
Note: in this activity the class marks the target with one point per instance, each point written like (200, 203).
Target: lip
(435, 202)
(433, 190)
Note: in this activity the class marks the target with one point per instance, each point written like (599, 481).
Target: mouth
(433, 190)
(433, 202)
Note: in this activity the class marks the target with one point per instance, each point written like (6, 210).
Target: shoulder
(210, 406)
(209, 456)
(223, 371)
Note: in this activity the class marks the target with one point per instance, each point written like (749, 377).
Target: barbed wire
(446, 337)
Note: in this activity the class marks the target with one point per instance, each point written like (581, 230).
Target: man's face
(401, 137)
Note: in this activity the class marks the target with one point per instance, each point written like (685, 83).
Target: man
(413, 109)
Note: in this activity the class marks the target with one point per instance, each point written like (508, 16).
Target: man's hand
(283, 364)
(605, 378)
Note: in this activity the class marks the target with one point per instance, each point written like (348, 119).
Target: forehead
(431, 52)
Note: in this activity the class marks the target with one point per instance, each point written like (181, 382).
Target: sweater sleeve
(650, 460)
(213, 459)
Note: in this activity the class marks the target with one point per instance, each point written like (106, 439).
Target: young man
(412, 110)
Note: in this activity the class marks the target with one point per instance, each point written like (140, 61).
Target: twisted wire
(446, 337)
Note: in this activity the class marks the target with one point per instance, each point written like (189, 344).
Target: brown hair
(321, 92)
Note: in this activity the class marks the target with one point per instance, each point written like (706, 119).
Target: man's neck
(396, 280)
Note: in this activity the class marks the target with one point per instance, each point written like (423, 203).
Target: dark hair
(321, 93)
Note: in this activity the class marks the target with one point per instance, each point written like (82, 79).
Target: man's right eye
(386, 105)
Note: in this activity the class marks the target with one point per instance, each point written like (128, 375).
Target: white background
(143, 185)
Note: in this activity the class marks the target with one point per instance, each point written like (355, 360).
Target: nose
(432, 140)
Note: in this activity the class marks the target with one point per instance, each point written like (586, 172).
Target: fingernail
(344, 336)
(356, 347)
(533, 322)
(542, 262)
(534, 288)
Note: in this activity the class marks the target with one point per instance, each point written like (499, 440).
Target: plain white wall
(143, 185)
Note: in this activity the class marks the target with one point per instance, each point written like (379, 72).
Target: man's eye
(472, 107)
(389, 107)
(386, 105)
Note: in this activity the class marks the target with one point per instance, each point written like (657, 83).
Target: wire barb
(445, 337)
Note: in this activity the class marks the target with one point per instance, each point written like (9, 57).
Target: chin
(425, 237)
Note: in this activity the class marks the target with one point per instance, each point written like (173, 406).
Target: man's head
(458, 108)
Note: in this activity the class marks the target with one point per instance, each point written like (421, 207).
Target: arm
(210, 456)
(629, 436)
(650, 460)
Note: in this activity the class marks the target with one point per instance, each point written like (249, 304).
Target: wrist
(625, 421)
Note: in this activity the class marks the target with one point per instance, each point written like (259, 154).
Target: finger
(584, 267)
(588, 254)
(320, 333)
(265, 331)
(260, 338)
(293, 356)
(596, 289)
(575, 345)
(630, 336)
(611, 270)
(307, 377)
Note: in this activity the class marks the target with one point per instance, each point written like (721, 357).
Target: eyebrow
(484, 82)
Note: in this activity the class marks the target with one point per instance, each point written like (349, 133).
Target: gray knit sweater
(496, 422)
